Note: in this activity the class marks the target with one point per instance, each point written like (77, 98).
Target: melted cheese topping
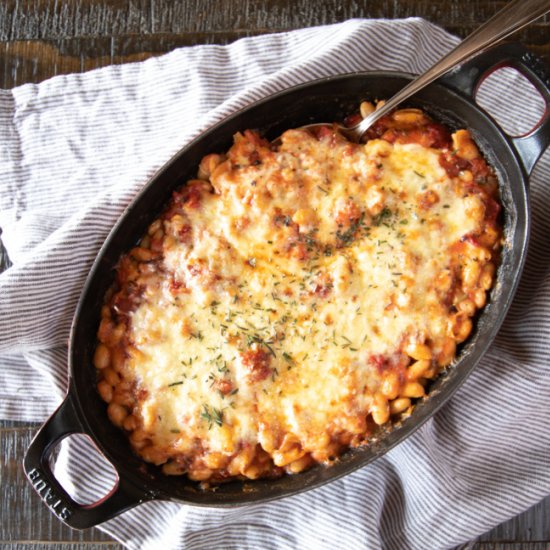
(288, 289)
(249, 292)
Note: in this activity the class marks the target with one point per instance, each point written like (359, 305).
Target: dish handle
(468, 77)
(61, 424)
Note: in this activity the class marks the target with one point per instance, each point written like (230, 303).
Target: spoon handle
(513, 16)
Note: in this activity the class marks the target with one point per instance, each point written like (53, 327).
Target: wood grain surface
(43, 38)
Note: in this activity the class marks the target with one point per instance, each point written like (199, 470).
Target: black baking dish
(450, 101)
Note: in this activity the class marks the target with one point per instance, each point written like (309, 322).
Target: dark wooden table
(42, 38)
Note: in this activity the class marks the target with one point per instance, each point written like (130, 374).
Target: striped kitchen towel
(75, 149)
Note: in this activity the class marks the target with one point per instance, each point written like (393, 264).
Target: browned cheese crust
(296, 297)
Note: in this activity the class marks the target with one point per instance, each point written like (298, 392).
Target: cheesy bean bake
(297, 296)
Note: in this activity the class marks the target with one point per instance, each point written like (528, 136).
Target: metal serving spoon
(512, 17)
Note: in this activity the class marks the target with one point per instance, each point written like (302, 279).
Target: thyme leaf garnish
(212, 415)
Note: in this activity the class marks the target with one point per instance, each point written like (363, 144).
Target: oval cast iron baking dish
(450, 101)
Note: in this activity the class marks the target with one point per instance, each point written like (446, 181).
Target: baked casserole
(298, 296)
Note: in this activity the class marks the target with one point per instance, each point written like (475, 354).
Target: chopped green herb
(212, 416)
(349, 235)
(255, 339)
(380, 218)
(287, 357)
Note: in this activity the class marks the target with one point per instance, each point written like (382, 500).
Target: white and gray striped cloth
(73, 152)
